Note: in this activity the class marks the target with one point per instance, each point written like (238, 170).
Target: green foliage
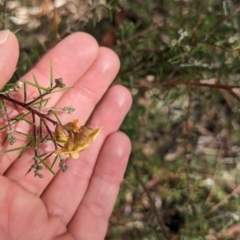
(192, 41)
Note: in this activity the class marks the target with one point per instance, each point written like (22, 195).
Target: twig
(235, 10)
(186, 149)
(151, 28)
(228, 88)
(10, 136)
(210, 195)
(26, 106)
(155, 210)
(5, 14)
(36, 165)
(218, 205)
(49, 132)
(34, 134)
(180, 82)
(41, 96)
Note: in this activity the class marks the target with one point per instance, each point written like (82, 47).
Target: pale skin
(78, 203)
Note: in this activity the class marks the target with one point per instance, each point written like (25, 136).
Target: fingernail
(3, 36)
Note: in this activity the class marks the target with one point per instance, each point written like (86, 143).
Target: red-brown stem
(49, 132)
(34, 134)
(42, 95)
(26, 106)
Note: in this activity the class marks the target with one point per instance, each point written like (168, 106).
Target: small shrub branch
(33, 107)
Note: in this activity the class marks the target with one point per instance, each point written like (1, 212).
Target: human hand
(75, 204)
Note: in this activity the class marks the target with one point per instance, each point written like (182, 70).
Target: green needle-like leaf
(62, 89)
(28, 145)
(17, 149)
(37, 84)
(27, 121)
(20, 116)
(51, 73)
(44, 102)
(25, 92)
(2, 128)
(57, 118)
(24, 134)
(45, 165)
(38, 87)
(54, 161)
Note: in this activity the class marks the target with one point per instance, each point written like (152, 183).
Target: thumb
(9, 52)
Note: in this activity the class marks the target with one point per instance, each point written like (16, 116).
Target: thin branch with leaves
(67, 139)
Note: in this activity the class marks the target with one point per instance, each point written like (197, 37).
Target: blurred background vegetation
(180, 60)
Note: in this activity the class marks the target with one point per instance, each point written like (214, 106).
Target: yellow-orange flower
(60, 133)
(75, 127)
(76, 139)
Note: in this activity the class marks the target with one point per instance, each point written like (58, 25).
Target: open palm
(75, 204)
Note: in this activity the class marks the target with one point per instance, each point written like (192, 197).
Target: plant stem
(42, 95)
(26, 106)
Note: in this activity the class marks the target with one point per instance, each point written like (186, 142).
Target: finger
(74, 182)
(84, 96)
(91, 218)
(89, 90)
(9, 52)
(72, 58)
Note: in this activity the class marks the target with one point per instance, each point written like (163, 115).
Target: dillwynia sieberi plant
(67, 139)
